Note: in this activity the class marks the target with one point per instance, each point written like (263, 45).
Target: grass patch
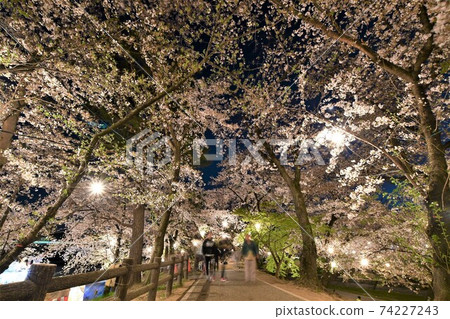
(163, 287)
(99, 298)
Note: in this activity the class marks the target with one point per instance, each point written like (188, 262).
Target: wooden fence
(40, 280)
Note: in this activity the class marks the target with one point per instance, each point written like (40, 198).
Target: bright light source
(225, 224)
(333, 264)
(257, 226)
(364, 262)
(353, 252)
(336, 136)
(183, 251)
(330, 250)
(388, 265)
(269, 253)
(195, 242)
(333, 135)
(97, 188)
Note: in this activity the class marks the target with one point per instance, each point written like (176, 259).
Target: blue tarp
(94, 290)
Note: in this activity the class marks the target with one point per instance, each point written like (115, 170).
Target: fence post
(124, 281)
(171, 272)
(186, 270)
(154, 278)
(40, 275)
(180, 271)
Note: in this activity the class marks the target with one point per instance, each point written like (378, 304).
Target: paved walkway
(265, 288)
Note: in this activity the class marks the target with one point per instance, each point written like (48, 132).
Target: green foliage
(7, 57)
(445, 66)
(61, 119)
(288, 267)
(403, 196)
(275, 233)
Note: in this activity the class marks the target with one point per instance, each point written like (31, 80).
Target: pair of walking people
(212, 253)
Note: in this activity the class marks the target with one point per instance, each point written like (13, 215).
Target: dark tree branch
(4, 216)
(352, 42)
(427, 48)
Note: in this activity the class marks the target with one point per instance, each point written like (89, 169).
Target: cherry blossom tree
(401, 43)
(184, 56)
(331, 99)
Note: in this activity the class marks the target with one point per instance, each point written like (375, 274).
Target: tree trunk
(159, 239)
(278, 268)
(438, 197)
(23, 242)
(7, 209)
(119, 243)
(4, 216)
(137, 240)
(164, 223)
(308, 258)
(166, 252)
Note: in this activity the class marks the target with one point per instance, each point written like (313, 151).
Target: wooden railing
(40, 280)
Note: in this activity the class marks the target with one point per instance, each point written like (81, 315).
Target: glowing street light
(97, 188)
(364, 262)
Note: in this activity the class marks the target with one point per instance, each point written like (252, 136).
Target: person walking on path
(249, 252)
(210, 251)
(225, 250)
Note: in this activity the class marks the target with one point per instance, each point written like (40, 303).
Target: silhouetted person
(249, 252)
(225, 249)
(210, 251)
